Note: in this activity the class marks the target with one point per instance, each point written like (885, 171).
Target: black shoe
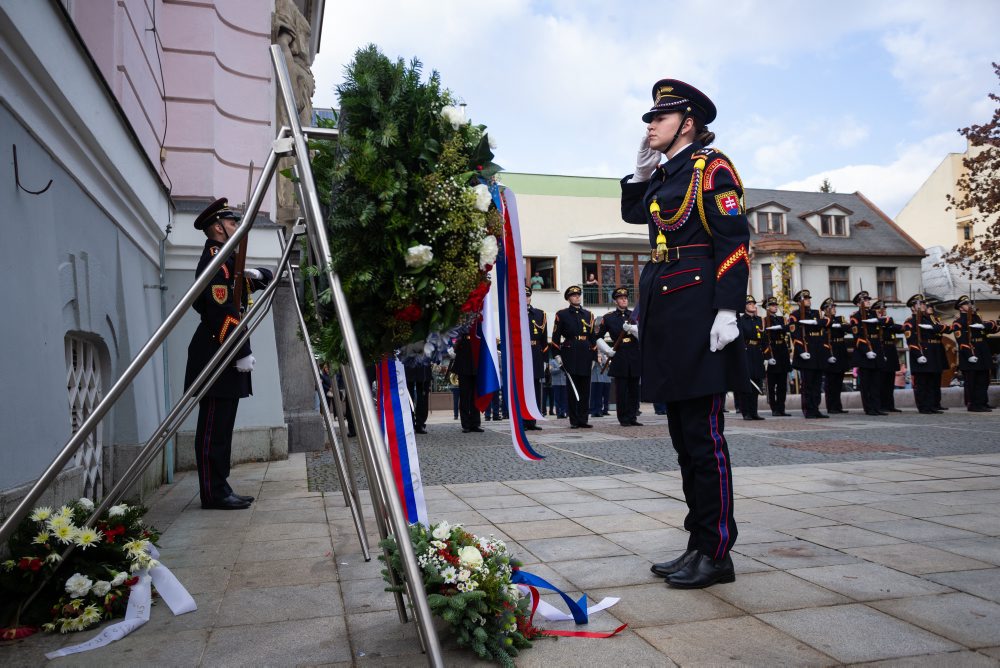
(703, 572)
(660, 412)
(574, 426)
(635, 424)
(894, 410)
(420, 430)
(881, 413)
(928, 412)
(595, 415)
(586, 426)
(837, 412)
(478, 430)
(875, 413)
(756, 417)
(625, 424)
(940, 408)
(231, 502)
(822, 415)
(747, 417)
(465, 431)
(666, 568)
(978, 409)
(531, 427)
(781, 414)
(243, 497)
(561, 417)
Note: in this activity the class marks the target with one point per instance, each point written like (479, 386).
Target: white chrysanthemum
(78, 585)
(470, 557)
(454, 115)
(65, 511)
(65, 533)
(483, 197)
(464, 575)
(442, 531)
(57, 521)
(42, 538)
(439, 544)
(116, 511)
(449, 574)
(101, 587)
(119, 579)
(53, 558)
(91, 615)
(419, 256)
(87, 537)
(41, 514)
(85, 503)
(487, 251)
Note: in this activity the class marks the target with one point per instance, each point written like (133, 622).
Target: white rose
(442, 531)
(86, 503)
(78, 585)
(101, 587)
(470, 557)
(487, 251)
(115, 511)
(419, 256)
(454, 115)
(119, 579)
(483, 197)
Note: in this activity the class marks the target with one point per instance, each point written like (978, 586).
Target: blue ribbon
(576, 608)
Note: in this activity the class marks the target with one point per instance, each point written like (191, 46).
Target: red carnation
(409, 313)
(30, 564)
(475, 301)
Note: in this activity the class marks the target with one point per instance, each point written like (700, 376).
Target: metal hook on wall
(17, 177)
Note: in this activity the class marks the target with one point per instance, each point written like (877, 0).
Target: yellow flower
(65, 511)
(41, 514)
(87, 537)
(58, 521)
(65, 533)
(42, 538)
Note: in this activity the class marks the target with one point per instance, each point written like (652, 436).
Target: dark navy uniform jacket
(697, 197)
(777, 339)
(538, 331)
(972, 341)
(866, 338)
(889, 329)
(751, 327)
(838, 345)
(220, 318)
(808, 338)
(626, 362)
(573, 337)
(464, 363)
(925, 343)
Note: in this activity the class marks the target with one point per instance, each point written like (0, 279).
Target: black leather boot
(666, 568)
(703, 572)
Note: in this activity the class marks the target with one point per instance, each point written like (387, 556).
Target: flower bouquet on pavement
(94, 583)
(468, 584)
(413, 226)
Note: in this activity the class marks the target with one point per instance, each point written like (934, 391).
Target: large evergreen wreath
(412, 226)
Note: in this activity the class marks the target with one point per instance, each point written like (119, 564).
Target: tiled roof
(872, 232)
(946, 282)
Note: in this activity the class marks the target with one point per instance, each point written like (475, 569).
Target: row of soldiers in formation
(822, 346)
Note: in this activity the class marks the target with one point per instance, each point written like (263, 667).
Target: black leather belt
(677, 252)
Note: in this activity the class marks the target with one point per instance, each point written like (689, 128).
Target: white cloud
(888, 185)
(850, 133)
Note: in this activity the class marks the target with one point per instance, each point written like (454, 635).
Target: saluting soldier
(464, 366)
(778, 363)
(867, 353)
(220, 319)
(925, 364)
(809, 352)
(839, 359)
(573, 343)
(888, 329)
(623, 353)
(538, 331)
(974, 358)
(935, 344)
(691, 290)
(757, 350)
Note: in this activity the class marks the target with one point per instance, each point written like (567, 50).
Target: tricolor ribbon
(484, 355)
(400, 440)
(579, 612)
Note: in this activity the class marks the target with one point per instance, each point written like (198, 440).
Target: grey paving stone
(303, 503)
(842, 535)
(774, 590)
(533, 486)
(299, 642)
(177, 648)
(505, 501)
(619, 493)
(800, 501)
(220, 554)
(608, 523)
(277, 604)
(603, 482)
(655, 542)
(856, 514)
(917, 507)
(655, 604)
(784, 519)
(750, 532)
(367, 596)
(982, 549)
(654, 505)
(981, 583)
(963, 659)
(580, 547)
(202, 537)
(965, 619)
(201, 579)
(737, 641)
(543, 529)
(993, 652)
(561, 498)
(305, 570)
(794, 554)
(573, 510)
(983, 523)
(520, 514)
(916, 559)
(855, 633)
(744, 564)
(276, 550)
(288, 530)
(918, 531)
(611, 652)
(588, 574)
(868, 582)
(377, 636)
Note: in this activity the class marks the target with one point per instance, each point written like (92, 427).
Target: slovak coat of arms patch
(729, 203)
(220, 293)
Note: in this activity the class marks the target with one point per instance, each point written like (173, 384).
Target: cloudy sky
(869, 94)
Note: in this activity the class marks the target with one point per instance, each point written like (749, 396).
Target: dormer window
(832, 225)
(770, 222)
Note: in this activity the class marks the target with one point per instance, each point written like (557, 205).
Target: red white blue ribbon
(400, 440)
(515, 344)
(484, 354)
(579, 612)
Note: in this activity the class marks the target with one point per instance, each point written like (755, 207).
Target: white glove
(558, 359)
(807, 322)
(836, 324)
(772, 362)
(831, 359)
(805, 356)
(921, 360)
(451, 352)
(773, 327)
(977, 325)
(870, 321)
(926, 326)
(603, 346)
(245, 364)
(646, 161)
(631, 328)
(973, 359)
(870, 355)
(253, 273)
(724, 330)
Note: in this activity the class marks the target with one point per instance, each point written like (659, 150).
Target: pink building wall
(212, 109)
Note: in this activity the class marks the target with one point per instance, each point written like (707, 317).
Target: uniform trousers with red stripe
(696, 430)
(213, 444)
